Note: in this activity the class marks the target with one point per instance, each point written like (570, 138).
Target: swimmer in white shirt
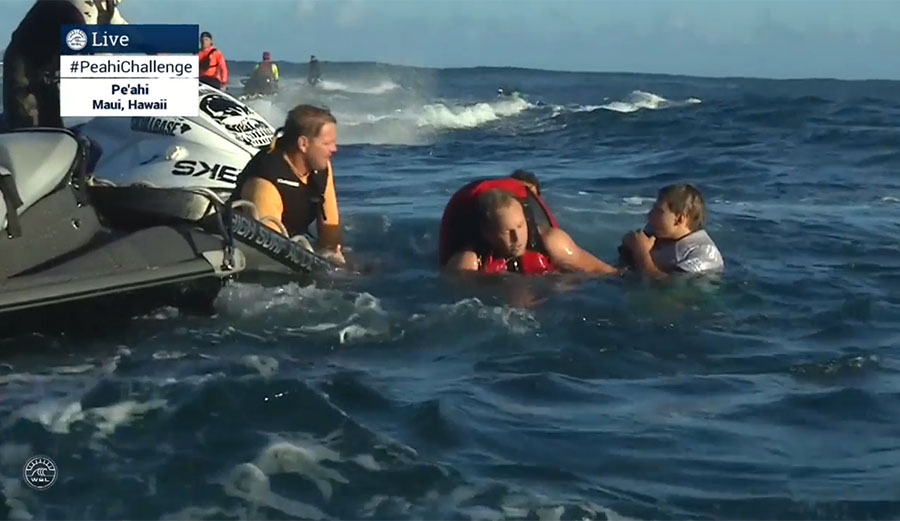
(675, 239)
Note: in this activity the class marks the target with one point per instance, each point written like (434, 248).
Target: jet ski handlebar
(295, 252)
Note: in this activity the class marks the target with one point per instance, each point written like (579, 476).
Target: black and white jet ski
(63, 263)
(207, 150)
(165, 170)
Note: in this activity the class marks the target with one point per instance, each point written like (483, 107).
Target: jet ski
(208, 150)
(181, 170)
(63, 262)
(267, 252)
(264, 88)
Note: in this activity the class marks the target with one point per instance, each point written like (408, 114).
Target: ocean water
(771, 393)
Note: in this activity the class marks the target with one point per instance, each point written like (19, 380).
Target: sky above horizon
(847, 39)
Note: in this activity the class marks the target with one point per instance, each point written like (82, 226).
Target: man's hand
(334, 255)
(638, 242)
(105, 10)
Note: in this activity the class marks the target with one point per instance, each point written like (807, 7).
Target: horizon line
(563, 71)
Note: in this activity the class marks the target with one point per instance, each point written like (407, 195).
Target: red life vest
(212, 65)
(530, 263)
(460, 227)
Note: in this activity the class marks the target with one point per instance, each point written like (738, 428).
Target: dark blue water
(397, 394)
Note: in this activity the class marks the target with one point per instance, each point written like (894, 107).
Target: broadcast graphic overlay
(129, 70)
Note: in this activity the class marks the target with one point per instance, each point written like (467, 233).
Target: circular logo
(76, 39)
(40, 472)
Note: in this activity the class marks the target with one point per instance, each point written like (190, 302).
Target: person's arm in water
(275, 71)
(268, 202)
(330, 237)
(568, 256)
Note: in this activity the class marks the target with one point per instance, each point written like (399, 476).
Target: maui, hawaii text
(132, 104)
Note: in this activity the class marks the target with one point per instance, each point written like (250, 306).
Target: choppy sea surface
(770, 393)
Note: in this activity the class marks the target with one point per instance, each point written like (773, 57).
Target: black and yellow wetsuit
(296, 201)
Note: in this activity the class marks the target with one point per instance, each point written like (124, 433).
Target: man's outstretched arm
(568, 256)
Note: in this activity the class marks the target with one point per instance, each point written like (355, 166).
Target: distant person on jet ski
(31, 60)
(486, 228)
(315, 75)
(292, 181)
(506, 92)
(213, 67)
(264, 79)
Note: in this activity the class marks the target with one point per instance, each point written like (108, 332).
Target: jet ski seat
(38, 162)
(42, 210)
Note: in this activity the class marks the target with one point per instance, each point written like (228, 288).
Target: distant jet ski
(505, 92)
(314, 74)
(255, 88)
(263, 81)
(510, 94)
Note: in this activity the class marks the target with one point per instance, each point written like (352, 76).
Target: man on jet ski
(264, 79)
(292, 181)
(503, 92)
(315, 75)
(502, 236)
(213, 68)
(31, 60)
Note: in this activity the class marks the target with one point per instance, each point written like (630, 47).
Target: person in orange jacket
(213, 69)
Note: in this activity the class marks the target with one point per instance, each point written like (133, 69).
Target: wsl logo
(40, 472)
(76, 39)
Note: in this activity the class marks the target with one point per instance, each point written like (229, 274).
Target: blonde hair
(492, 201)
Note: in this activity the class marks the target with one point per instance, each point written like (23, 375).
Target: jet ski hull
(116, 277)
(63, 265)
(265, 250)
(255, 90)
